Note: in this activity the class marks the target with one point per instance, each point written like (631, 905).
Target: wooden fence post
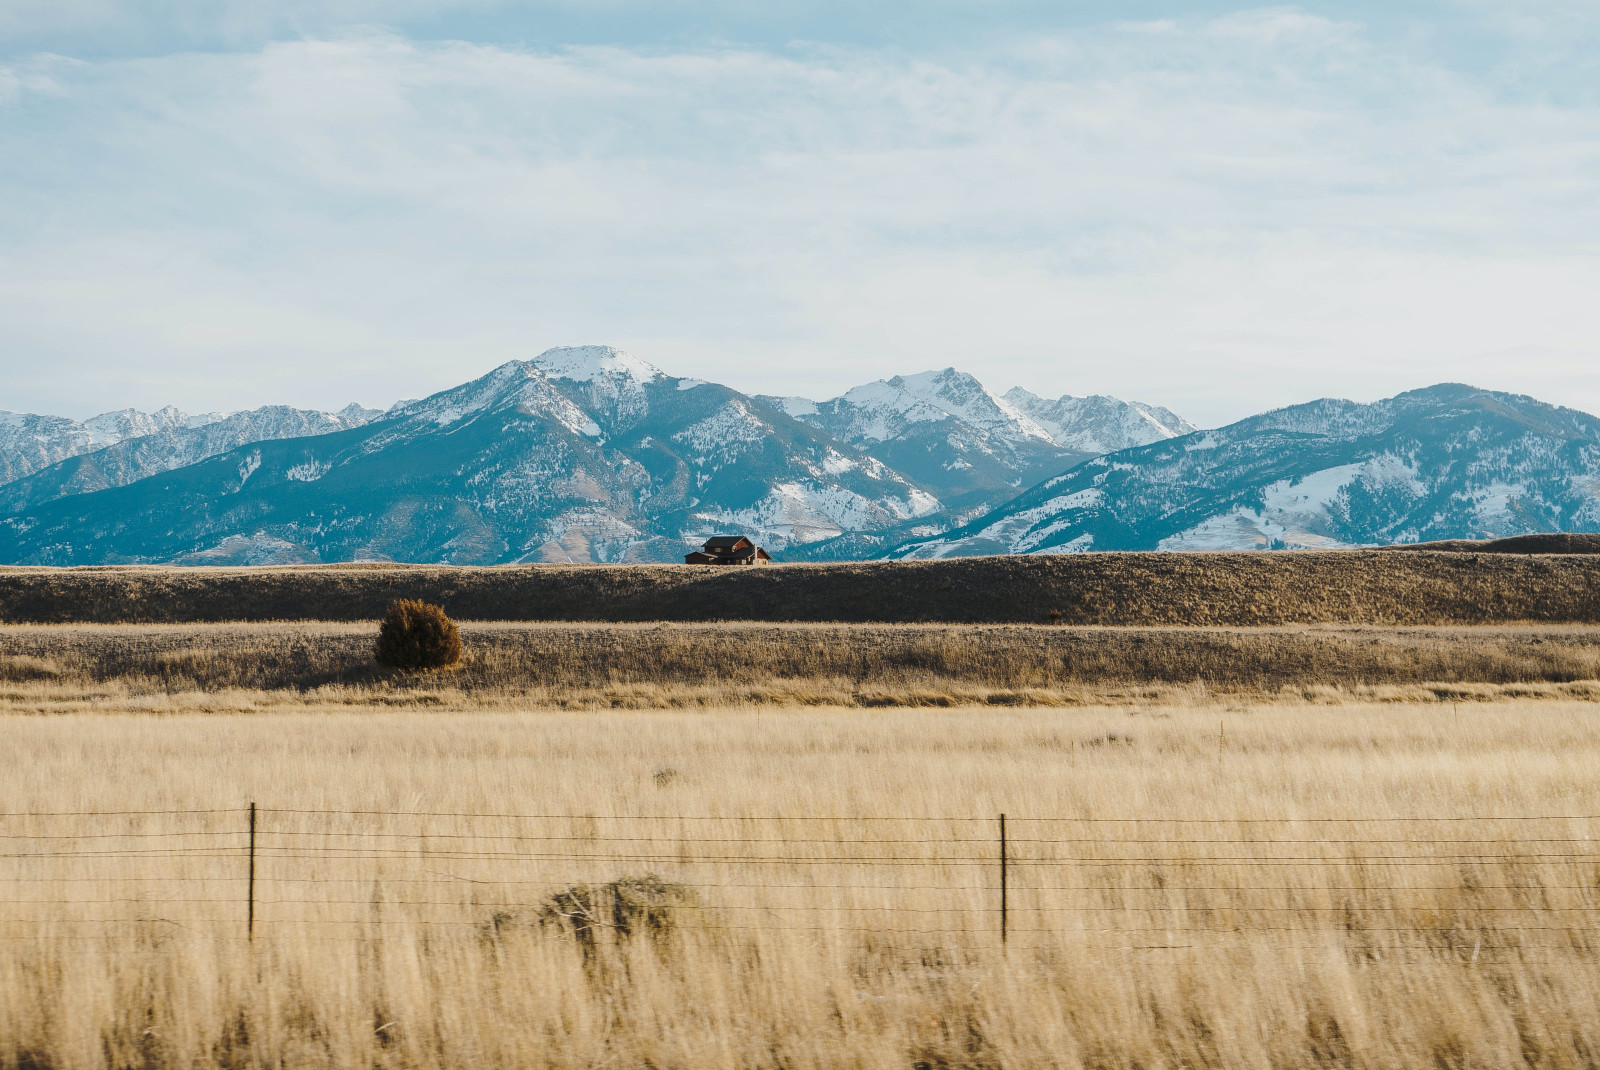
(1003, 905)
(250, 924)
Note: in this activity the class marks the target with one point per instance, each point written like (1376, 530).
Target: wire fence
(1467, 886)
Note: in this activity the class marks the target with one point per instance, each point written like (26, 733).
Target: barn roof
(726, 542)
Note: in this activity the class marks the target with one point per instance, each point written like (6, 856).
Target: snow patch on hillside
(1018, 532)
(1080, 545)
(586, 534)
(1496, 506)
(916, 503)
(794, 513)
(835, 463)
(796, 407)
(724, 436)
(1295, 514)
(248, 467)
(257, 549)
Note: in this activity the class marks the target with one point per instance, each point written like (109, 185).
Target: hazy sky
(1220, 209)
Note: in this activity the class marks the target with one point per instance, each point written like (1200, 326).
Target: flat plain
(1269, 822)
(1189, 883)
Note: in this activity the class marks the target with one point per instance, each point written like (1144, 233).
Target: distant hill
(1545, 543)
(1447, 462)
(1377, 587)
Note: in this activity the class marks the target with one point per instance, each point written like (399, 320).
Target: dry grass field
(56, 667)
(1297, 832)
(1191, 883)
(1424, 587)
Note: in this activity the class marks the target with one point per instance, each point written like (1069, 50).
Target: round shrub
(417, 635)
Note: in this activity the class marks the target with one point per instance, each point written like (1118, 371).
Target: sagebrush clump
(417, 635)
(644, 905)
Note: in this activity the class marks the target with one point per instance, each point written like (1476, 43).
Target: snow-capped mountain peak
(883, 409)
(128, 444)
(972, 449)
(581, 455)
(109, 428)
(514, 384)
(584, 364)
(958, 394)
(1099, 424)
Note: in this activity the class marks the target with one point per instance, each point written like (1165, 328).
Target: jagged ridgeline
(582, 454)
(1448, 462)
(590, 455)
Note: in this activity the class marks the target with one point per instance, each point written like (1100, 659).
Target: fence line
(1531, 886)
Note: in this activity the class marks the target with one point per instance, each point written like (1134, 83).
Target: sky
(1217, 208)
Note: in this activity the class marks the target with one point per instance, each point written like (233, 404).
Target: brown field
(762, 844)
(1135, 589)
(663, 665)
(1190, 884)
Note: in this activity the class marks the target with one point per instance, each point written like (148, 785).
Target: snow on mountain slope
(109, 428)
(1099, 424)
(963, 397)
(887, 408)
(972, 449)
(30, 443)
(579, 454)
(1297, 512)
(518, 385)
(944, 430)
(806, 512)
(1447, 462)
(876, 412)
(723, 437)
(585, 364)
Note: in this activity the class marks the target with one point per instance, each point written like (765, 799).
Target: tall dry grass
(1320, 919)
(738, 664)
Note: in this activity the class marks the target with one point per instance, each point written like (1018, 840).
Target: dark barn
(728, 550)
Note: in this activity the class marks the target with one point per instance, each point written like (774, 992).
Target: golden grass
(664, 665)
(1321, 920)
(1221, 589)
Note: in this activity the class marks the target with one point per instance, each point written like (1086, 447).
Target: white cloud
(1276, 26)
(1219, 215)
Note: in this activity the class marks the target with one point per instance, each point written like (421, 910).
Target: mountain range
(48, 457)
(1446, 462)
(590, 454)
(970, 447)
(581, 454)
